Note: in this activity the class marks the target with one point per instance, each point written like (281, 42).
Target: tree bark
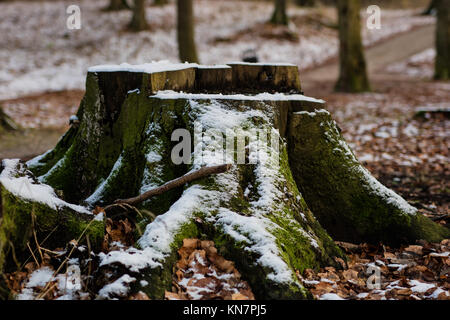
(430, 8)
(279, 15)
(116, 5)
(138, 21)
(353, 73)
(186, 31)
(442, 65)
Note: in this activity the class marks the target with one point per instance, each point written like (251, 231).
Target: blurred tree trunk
(6, 124)
(442, 67)
(353, 73)
(279, 15)
(185, 31)
(115, 5)
(160, 2)
(430, 8)
(138, 21)
(305, 3)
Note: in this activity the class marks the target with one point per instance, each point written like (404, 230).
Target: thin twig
(34, 257)
(33, 226)
(189, 177)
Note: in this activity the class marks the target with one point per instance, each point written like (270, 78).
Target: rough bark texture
(138, 21)
(353, 73)
(442, 68)
(261, 77)
(348, 201)
(185, 31)
(279, 15)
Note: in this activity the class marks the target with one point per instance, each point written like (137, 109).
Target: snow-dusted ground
(38, 53)
(420, 65)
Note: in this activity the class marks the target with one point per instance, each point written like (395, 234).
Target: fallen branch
(178, 182)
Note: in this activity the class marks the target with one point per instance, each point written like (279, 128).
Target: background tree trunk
(116, 5)
(279, 15)
(160, 2)
(6, 124)
(442, 67)
(430, 8)
(353, 73)
(186, 31)
(139, 20)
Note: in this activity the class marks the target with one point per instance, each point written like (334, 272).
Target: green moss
(348, 202)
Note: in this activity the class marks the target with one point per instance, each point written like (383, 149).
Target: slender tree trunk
(185, 31)
(279, 15)
(353, 73)
(138, 21)
(442, 67)
(116, 5)
(160, 2)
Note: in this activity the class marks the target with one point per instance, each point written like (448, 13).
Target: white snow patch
(169, 94)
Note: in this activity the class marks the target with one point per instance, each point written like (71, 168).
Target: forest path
(397, 48)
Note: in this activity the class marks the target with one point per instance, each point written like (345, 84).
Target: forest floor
(406, 152)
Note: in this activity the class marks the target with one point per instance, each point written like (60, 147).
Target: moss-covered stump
(27, 206)
(254, 213)
(348, 201)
